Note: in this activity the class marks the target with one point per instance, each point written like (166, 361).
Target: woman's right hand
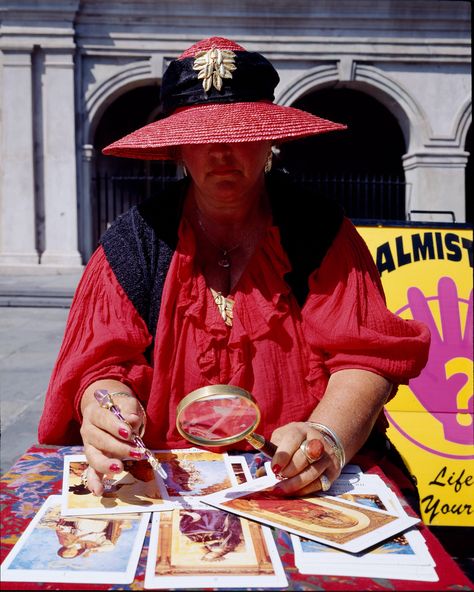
(107, 439)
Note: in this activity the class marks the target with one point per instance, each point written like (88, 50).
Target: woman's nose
(220, 149)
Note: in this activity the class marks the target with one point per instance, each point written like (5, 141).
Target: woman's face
(226, 172)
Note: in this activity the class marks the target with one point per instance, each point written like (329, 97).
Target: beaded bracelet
(143, 412)
(332, 439)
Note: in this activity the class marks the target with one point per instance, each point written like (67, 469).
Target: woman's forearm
(351, 405)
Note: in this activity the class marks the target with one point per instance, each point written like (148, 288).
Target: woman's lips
(224, 171)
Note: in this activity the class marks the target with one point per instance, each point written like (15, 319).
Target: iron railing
(364, 196)
(113, 195)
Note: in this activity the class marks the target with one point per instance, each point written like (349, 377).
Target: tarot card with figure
(77, 549)
(192, 473)
(196, 548)
(336, 522)
(404, 556)
(136, 489)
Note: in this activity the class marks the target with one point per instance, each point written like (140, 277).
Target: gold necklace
(225, 306)
(223, 259)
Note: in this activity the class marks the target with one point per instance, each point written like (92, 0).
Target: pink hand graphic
(444, 387)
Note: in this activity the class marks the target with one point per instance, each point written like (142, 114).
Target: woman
(86, 535)
(234, 276)
(218, 532)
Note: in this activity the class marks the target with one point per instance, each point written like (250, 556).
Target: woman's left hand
(300, 474)
(353, 400)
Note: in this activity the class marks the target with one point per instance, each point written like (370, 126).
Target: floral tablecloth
(38, 474)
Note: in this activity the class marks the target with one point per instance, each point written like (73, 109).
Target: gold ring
(325, 483)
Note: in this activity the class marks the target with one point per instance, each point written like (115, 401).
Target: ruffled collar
(261, 294)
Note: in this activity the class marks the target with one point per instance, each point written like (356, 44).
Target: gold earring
(269, 162)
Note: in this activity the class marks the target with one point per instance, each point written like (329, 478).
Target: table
(38, 474)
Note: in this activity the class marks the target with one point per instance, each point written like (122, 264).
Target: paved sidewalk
(33, 313)
(38, 290)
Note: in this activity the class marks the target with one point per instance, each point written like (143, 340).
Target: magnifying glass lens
(219, 415)
(218, 418)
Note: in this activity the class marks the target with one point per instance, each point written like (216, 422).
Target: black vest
(139, 245)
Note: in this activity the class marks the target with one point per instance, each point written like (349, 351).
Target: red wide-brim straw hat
(217, 92)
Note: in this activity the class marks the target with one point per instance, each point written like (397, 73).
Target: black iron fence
(363, 195)
(366, 196)
(113, 195)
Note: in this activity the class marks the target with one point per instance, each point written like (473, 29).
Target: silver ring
(325, 483)
(304, 450)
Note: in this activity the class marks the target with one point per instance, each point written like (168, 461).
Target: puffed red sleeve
(346, 318)
(105, 337)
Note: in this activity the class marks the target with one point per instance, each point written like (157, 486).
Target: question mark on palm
(462, 365)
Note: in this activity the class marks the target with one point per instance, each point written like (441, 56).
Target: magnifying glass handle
(261, 444)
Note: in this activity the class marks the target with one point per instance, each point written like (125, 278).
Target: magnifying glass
(219, 415)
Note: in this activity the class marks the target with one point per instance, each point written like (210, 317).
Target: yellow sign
(426, 272)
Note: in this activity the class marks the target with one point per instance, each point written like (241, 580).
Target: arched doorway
(119, 183)
(360, 167)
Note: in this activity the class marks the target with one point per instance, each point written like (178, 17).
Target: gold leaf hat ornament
(218, 92)
(213, 66)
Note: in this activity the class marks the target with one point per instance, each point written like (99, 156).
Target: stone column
(17, 195)
(86, 221)
(436, 182)
(59, 157)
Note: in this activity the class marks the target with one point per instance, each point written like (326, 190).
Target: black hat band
(221, 77)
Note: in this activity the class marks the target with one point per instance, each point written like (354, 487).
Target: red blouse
(279, 352)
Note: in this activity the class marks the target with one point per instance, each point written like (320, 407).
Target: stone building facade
(65, 63)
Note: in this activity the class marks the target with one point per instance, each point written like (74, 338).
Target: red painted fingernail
(123, 433)
(114, 468)
(276, 469)
(135, 454)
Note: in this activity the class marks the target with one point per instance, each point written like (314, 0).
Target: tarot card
(192, 473)
(352, 469)
(403, 549)
(395, 572)
(407, 549)
(99, 549)
(209, 548)
(351, 482)
(336, 522)
(135, 489)
(368, 490)
(240, 470)
(404, 556)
